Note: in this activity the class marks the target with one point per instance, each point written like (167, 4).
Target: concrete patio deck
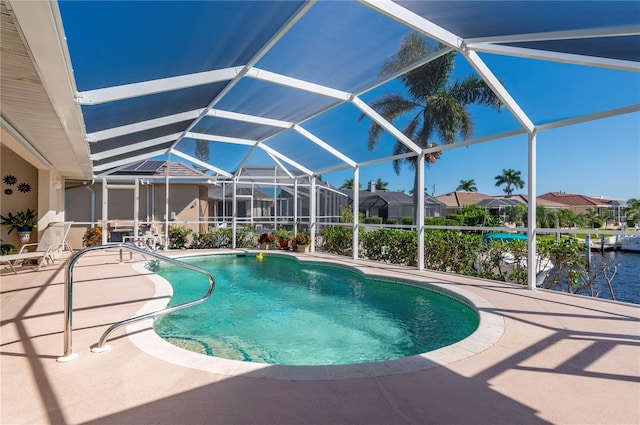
(558, 359)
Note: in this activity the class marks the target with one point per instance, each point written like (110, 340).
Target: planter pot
(284, 244)
(302, 248)
(264, 245)
(24, 236)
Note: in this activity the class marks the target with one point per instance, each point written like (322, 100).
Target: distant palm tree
(202, 153)
(509, 178)
(467, 186)
(348, 184)
(632, 211)
(433, 104)
(380, 185)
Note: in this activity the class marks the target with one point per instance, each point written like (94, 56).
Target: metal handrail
(68, 296)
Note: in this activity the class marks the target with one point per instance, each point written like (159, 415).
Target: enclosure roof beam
(141, 126)
(200, 163)
(144, 88)
(129, 160)
(133, 147)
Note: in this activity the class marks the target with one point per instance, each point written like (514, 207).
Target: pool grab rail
(68, 296)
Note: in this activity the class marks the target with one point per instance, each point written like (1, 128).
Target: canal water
(626, 282)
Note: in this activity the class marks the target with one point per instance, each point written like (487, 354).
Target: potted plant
(266, 239)
(302, 242)
(22, 221)
(93, 237)
(283, 236)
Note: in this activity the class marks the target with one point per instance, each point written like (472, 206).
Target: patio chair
(53, 241)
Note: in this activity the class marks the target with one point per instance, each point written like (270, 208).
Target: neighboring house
(579, 204)
(392, 204)
(455, 201)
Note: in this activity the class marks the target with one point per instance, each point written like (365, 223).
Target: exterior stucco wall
(14, 200)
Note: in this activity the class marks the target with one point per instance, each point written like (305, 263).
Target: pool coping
(490, 330)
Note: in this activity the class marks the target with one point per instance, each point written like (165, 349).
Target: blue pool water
(279, 311)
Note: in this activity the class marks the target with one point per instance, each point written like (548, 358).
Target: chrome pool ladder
(68, 295)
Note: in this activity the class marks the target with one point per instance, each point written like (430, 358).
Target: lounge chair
(53, 241)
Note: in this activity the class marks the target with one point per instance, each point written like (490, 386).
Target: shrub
(178, 237)
(407, 221)
(391, 246)
(7, 248)
(302, 239)
(373, 220)
(93, 237)
(267, 238)
(392, 221)
(336, 240)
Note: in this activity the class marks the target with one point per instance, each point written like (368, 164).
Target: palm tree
(509, 178)
(467, 186)
(348, 184)
(202, 153)
(632, 211)
(380, 185)
(433, 105)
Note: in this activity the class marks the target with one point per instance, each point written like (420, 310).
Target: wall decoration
(10, 180)
(8, 191)
(24, 187)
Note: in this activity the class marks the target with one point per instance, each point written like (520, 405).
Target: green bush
(336, 240)
(451, 251)
(178, 237)
(390, 246)
(440, 221)
(7, 248)
(373, 220)
(392, 221)
(407, 221)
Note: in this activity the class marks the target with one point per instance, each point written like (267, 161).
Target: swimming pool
(279, 311)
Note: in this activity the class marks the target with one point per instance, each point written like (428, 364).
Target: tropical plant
(21, 220)
(432, 106)
(475, 215)
(632, 211)
(516, 214)
(178, 237)
(511, 179)
(302, 239)
(266, 237)
(93, 237)
(467, 186)
(380, 185)
(202, 153)
(545, 217)
(592, 218)
(348, 184)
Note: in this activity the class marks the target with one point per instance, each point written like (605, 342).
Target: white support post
(234, 208)
(166, 204)
(312, 213)
(136, 207)
(420, 210)
(105, 210)
(532, 257)
(295, 207)
(356, 209)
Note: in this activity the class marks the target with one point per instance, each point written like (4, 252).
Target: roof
(460, 199)
(573, 200)
(150, 79)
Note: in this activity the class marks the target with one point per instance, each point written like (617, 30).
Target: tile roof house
(454, 201)
(392, 204)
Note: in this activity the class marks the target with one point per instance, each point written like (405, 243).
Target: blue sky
(598, 158)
